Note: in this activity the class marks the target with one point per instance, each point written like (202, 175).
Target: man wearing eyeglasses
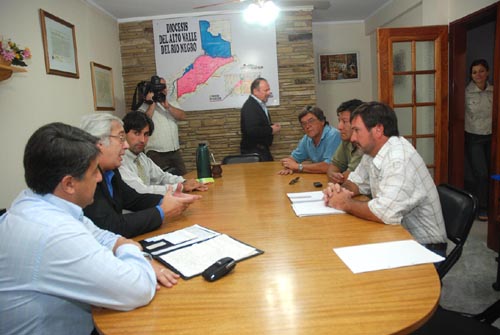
(113, 195)
(317, 146)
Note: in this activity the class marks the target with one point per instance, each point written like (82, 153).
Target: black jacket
(106, 211)
(255, 126)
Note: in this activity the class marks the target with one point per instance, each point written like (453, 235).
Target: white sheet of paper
(387, 255)
(195, 259)
(182, 237)
(305, 196)
(314, 208)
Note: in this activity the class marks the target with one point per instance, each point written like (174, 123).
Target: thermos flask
(203, 161)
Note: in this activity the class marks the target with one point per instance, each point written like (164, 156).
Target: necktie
(140, 170)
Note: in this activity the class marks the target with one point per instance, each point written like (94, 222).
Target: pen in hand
(294, 180)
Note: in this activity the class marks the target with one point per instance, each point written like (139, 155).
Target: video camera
(145, 87)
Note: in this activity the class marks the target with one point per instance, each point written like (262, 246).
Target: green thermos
(203, 161)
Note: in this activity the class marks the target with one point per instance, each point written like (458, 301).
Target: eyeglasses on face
(120, 137)
(308, 122)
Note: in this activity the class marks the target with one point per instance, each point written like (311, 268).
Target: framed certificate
(102, 87)
(59, 45)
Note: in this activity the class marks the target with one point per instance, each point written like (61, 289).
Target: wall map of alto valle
(209, 62)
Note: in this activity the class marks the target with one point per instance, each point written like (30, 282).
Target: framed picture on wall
(59, 45)
(102, 87)
(338, 67)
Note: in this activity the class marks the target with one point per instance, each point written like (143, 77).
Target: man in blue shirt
(317, 146)
(55, 263)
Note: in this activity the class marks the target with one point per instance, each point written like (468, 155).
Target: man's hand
(149, 97)
(290, 163)
(276, 128)
(164, 276)
(337, 197)
(174, 203)
(285, 172)
(194, 185)
(122, 240)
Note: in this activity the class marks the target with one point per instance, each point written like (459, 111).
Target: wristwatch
(301, 167)
(147, 256)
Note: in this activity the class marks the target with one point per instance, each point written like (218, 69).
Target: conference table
(298, 285)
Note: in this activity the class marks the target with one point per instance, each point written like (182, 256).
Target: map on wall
(209, 62)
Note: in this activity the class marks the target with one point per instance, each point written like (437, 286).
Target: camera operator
(163, 147)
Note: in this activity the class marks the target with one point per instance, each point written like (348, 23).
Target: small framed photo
(102, 87)
(339, 67)
(59, 45)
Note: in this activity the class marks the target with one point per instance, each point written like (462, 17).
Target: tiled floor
(467, 287)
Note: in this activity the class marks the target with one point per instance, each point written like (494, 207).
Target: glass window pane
(425, 120)
(402, 89)
(425, 88)
(425, 147)
(404, 120)
(401, 56)
(425, 55)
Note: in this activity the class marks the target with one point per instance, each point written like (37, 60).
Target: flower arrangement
(10, 52)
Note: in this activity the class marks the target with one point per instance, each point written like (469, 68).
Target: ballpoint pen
(294, 180)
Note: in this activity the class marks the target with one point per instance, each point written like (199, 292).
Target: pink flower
(8, 55)
(27, 53)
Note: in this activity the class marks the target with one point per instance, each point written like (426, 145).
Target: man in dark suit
(256, 128)
(113, 195)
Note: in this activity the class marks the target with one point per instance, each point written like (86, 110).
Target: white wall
(338, 38)
(32, 99)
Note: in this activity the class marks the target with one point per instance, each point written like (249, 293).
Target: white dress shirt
(156, 180)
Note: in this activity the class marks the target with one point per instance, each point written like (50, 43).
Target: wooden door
(413, 79)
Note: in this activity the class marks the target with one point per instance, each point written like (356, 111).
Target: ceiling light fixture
(261, 12)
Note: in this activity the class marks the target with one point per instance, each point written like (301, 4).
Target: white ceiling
(324, 10)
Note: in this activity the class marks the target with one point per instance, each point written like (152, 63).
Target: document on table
(305, 196)
(191, 250)
(310, 203)
(193, 260)
(388, 255)
(159, 244)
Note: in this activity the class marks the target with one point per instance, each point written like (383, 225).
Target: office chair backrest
(2, 211)
(244, 158)
(459, 211)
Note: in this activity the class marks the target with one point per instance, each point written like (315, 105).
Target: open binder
(191, 250)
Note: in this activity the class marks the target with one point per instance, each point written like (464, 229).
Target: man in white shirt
(393, 173)
(164, 147)
(55, 263)
(138, 170)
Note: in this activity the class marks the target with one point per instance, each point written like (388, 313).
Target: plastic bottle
(203, 161)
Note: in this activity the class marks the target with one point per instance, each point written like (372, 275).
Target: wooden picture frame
(59, 45)
(102, 87)
(338, 67)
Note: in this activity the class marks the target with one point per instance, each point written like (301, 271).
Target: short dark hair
(256, 83)
(316, 111)
(55, 151)
(138, 121)
(349, 106)
(374, 113)
(477, 62)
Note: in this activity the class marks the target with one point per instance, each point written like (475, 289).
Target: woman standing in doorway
(478, 110)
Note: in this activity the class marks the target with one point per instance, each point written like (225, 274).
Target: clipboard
(191, 257)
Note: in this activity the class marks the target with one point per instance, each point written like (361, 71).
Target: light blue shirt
(306, 150)
(55, 263)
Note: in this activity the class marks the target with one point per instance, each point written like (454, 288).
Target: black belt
(436, 246)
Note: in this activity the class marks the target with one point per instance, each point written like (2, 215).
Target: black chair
(459, 211)
(449, 322)
(2, 211)
(243, 158)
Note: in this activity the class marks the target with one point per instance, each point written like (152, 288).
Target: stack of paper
(310, 203)
(388, 255)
